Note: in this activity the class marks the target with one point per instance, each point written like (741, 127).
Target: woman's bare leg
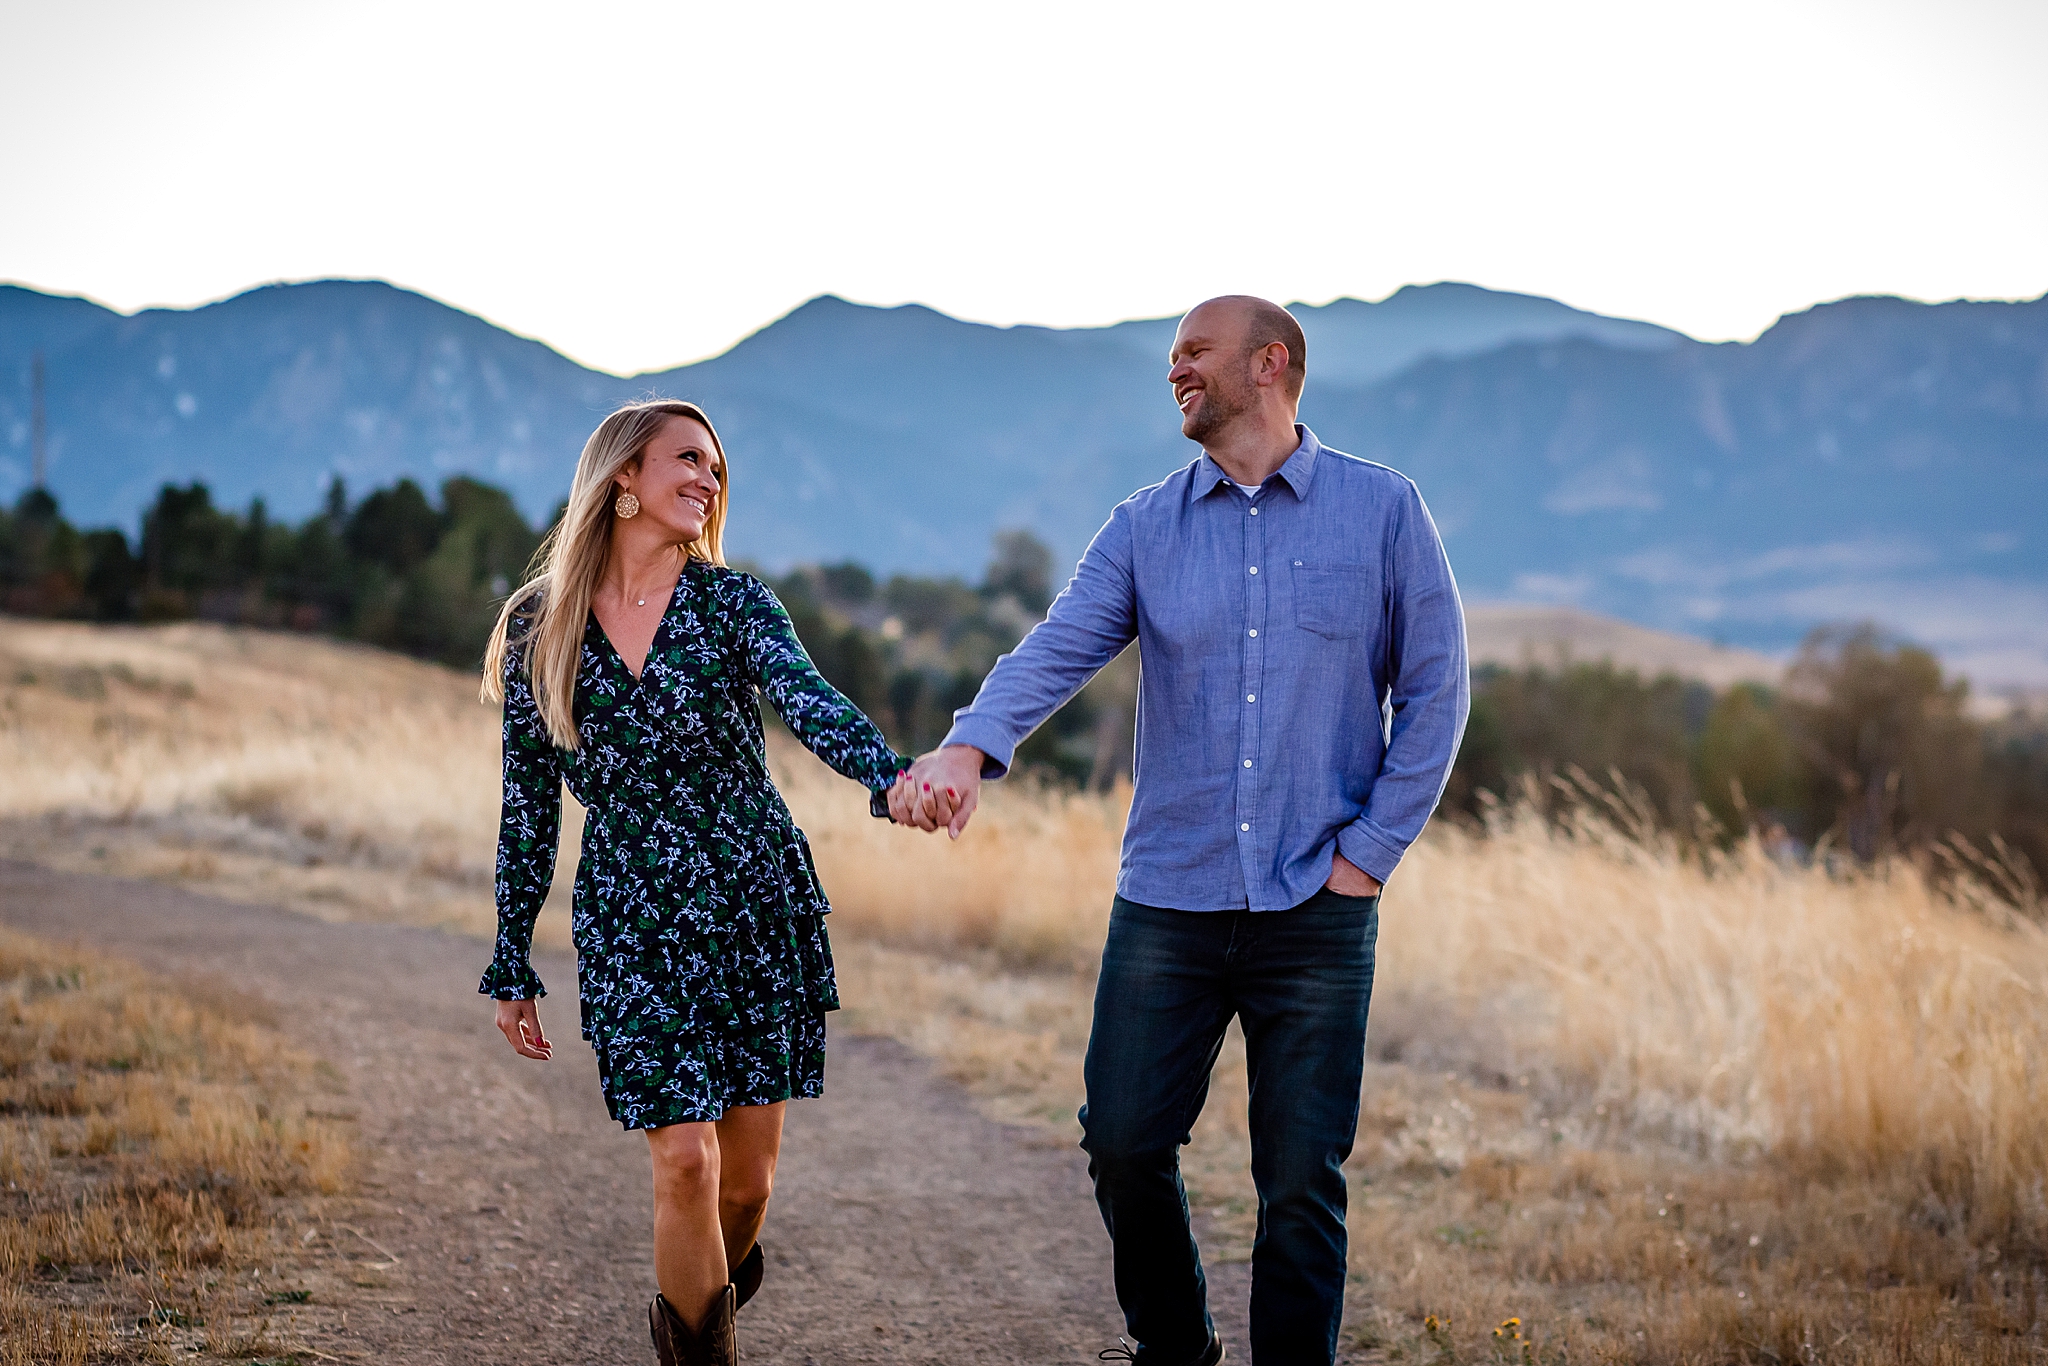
(749, 1141)
(711, 1189)
(689, 1245)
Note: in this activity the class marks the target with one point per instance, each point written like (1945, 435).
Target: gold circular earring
(627, 507)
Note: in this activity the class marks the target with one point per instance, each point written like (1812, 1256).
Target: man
(1303, 693)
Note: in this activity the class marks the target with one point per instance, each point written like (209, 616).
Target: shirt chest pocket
(1336, 601)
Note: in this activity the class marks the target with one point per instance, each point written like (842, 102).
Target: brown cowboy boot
(672, 1337)
(718, 1339)
(746, 1277)
(715, 1343)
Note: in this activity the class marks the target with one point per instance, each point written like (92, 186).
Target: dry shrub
(147, 1135)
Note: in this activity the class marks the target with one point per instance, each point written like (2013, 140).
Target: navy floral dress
(698, 919)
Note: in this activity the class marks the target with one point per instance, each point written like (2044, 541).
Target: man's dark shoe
(1212, 1355)
(746, 1277)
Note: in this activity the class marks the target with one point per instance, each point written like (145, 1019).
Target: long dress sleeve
(529, 831)
(818, 714)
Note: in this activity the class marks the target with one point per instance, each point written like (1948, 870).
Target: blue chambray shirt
(1304, 683)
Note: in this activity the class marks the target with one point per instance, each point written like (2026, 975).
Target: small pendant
(641, 603)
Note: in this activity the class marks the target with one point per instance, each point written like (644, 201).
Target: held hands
(939, 791)
(519, 1022)
(1348, 879)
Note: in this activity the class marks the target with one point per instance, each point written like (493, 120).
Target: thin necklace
(641, 603)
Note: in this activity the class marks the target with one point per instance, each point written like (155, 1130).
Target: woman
(628, 669)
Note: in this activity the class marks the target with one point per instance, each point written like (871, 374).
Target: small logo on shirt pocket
(1333, 600)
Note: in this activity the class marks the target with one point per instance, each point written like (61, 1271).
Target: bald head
(1263, 323)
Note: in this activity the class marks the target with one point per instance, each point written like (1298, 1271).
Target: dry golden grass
(146, 1133)
(1651, 1110)
(344, 782)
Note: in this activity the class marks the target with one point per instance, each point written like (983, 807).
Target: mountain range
(1868, 458)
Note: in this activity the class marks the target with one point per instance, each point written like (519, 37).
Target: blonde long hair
(546, 616)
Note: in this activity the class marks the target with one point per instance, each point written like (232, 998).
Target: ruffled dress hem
(691, 1077)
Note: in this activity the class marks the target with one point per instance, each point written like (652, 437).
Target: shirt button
(1255, 631)
(1255, 512)
(1244, 827)
(1255, 569)
(1251, 697)
(1247, 763)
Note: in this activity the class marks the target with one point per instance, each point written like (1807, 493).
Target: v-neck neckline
(654, 640)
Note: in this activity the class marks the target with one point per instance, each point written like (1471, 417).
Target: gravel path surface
(503, 1217)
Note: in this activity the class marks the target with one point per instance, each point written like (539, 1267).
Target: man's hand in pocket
(1348, 879)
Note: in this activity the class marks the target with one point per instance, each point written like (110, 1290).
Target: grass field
(1623, 1105)
(344, 782)
(149, 1132)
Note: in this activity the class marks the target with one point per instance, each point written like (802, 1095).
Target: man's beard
(1223, 401)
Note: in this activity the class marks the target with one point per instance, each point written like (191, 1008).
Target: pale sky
(642, 184)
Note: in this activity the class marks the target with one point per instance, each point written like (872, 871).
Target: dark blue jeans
(1299, 982)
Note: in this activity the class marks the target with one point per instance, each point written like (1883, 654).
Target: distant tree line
(1865, 746)
(394, 569)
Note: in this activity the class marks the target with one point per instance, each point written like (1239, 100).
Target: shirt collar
(1298, 471)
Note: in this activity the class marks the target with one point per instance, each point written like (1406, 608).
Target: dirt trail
(907, 1227)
